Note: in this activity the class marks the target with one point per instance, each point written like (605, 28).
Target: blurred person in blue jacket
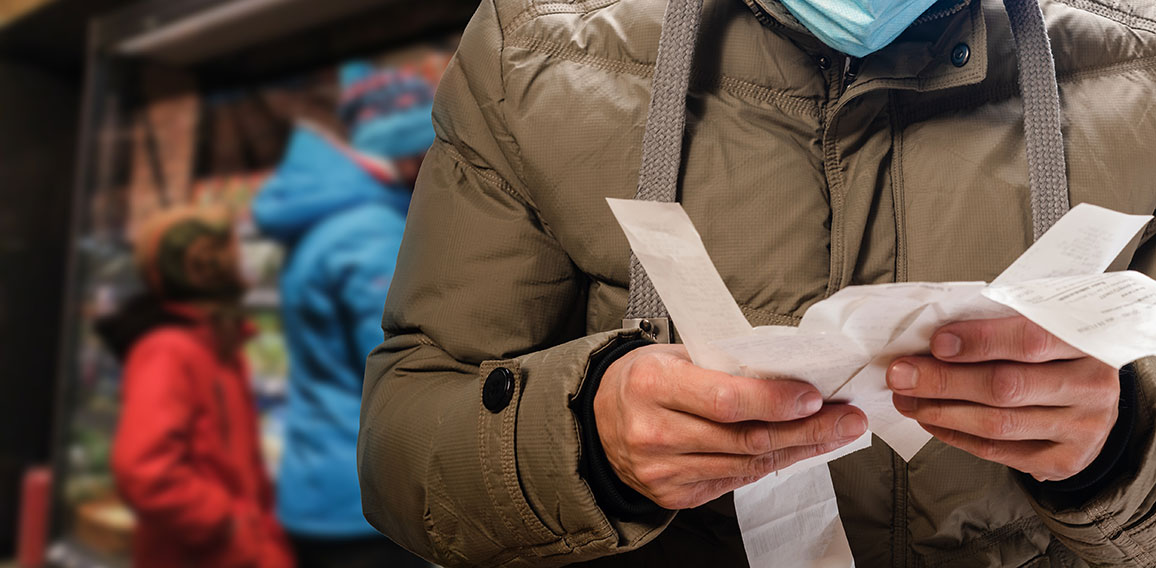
(341, 219)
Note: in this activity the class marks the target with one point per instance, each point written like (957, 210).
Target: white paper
(845, 343)
(671, 250)
(1085, 241)
(825, 360)
(793, 521)
(1111, 317)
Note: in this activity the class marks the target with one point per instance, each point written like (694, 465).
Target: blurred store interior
(112, 110)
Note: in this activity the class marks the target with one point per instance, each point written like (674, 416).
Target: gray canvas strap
(662, 142)
(1047, 168)
(666, 122)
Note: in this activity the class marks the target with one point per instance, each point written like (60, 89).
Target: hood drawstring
(666, 123)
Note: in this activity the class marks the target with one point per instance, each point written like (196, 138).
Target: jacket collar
(920, 59)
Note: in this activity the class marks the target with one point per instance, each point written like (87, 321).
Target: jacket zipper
(850, 71)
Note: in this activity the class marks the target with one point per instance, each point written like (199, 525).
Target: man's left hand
(1009, 392)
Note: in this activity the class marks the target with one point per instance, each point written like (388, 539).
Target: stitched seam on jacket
(495, 181)
(836, 188)
(517, 556)
(509, 462)
(516, 161)
(1118, 535)
(898, 195)
(747, 89)
(984, 542)
(483, 454)
(502, 185)
(772, 318)
(1112, 13)
(535, 11)
(915, 112)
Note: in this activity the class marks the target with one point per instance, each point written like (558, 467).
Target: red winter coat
(186, 456)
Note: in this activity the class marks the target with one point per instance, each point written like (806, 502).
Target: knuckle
(988, 449)
(819, 431)
(930, 412)
(666, 498)
(724, 402)
(983, 338)
(652, 476)
(933, 376)
(1007, 385)
(759, 466)
(758, 440)
(1036, 343)
(641, 435)
(1004, 424)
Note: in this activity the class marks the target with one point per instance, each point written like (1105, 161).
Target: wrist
(610, 492)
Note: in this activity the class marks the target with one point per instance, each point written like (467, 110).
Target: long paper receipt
(845, 343)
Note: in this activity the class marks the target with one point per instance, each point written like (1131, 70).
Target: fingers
(1005, 385)
(1043, 460)
(1023, 455)
(833, 424)
(1011, 339)
(720, 397)
(693, 479)
(1056, 424)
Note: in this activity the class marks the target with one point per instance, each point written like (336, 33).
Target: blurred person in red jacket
(186, 456)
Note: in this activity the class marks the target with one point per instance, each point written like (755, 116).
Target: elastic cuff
(613, 496)
(1102, 470)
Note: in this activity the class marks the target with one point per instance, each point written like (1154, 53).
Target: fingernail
(809, 403)
(946, 345)
(850, 426)
(902, 376)
(905, 403)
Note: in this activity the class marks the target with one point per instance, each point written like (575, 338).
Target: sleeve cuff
(612, 495)
(1104, 468)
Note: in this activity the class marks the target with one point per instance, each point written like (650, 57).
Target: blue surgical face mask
(857, 27)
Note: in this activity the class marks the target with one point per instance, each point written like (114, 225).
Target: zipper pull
(850, 70)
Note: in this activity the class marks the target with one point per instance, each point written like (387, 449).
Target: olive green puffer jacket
(805, 173)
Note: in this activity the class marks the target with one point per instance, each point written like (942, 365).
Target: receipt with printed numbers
(844, 344)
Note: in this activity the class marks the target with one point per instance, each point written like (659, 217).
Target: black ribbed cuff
(1106, 467)
(613, 496)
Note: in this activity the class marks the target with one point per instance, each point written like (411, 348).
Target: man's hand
(1007, 391)
(682, 435)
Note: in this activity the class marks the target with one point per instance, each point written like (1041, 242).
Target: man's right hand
(682, 435)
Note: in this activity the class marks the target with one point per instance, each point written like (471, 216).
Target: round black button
(824, 62)
(498, 390)
(960, 55)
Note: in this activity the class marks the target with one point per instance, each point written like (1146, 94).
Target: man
(340, 216)
(186, 456)
(525, 423)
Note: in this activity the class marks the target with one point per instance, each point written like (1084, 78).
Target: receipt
(1085, 241)
(845, 343)
(1111, 317)
(671, 251)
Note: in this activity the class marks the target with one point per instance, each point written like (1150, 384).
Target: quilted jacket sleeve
(481, 284)
(1116, 525)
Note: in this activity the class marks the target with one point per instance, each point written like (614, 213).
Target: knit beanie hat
(387, 110)
(190, 253)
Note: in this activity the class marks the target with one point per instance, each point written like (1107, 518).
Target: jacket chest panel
(964, 197)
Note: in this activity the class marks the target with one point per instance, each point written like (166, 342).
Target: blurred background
(114, 110)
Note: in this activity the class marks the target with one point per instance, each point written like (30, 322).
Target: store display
(166, 136)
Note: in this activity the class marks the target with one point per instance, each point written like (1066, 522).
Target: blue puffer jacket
(342, 229)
